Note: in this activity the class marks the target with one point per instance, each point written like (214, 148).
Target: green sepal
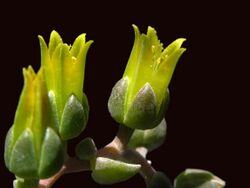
(149, 138)
(8, 145)
(26, 161)
(117, 100)
(74, 118)
(52, 154)
(86, 149)
(25, 183)
(22, 159)
(108, 171)
(54, 111)
(142, 112)
(159, 180)
(196, 178)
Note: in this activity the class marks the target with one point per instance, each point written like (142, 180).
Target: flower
(140, 98)
(64, 68)
(28, 141)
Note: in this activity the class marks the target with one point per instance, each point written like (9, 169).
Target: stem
(147, 171)
(124, 134)
(118, 145)
(118, 148)
(72, 165)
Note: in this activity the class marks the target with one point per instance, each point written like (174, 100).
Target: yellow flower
(140, 98)
(64, 68)
(29, 139)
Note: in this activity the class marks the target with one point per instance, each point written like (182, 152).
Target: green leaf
(149, 138)
(159, 180)
(52, 154)
(196, 178)
(109, 171)
(74, 119)
(86, 149)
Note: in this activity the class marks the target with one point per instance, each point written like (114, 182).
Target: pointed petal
(173, 46)
(78, 43)
(55, 40)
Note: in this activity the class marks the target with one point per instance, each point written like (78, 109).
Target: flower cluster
(52, 109)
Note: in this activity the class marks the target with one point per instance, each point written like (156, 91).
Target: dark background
(206, 125)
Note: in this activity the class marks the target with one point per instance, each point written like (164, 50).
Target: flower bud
(33, 148)
(196, 178)
(64, 68)
(139, 100)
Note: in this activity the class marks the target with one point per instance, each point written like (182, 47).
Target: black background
(206, 125)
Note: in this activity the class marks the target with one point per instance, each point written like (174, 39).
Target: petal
(78, 43)
(55, 40)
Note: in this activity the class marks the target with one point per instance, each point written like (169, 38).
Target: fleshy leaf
(196, 178)
(159, 180)
(149, 138)
(86, 149)
(109, 171)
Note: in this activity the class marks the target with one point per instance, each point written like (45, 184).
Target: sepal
(74, 118)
